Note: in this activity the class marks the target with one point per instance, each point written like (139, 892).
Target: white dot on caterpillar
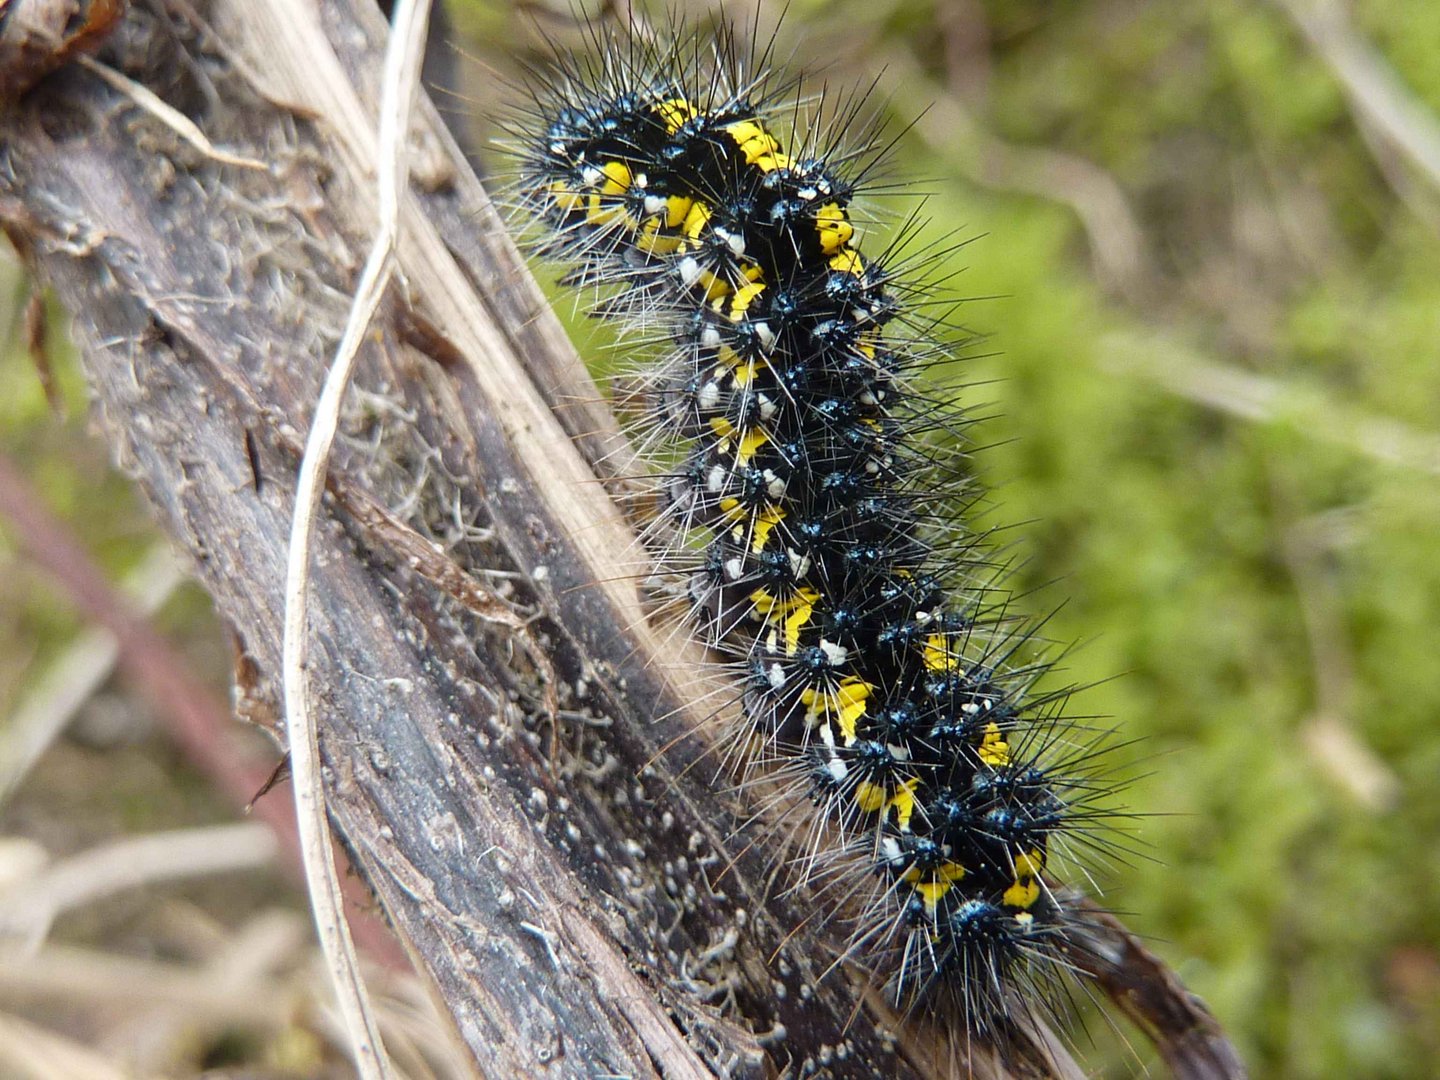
(777, 677)
(710, 337)
(837, 769)
(734, 568)
(774, 485)
(715, 479)
(689, 271)
(734, 241)
(709, 395)
(767, 407)
(835, 654)
(765, 334)
(654, 204)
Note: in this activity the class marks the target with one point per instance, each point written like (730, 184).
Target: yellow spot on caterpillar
(617, 178)
(749, 443)
(938, 655)
(677, 209)
(1022, 894)
(697, 220)
(674, 113)
(745, 373)
(754, 141)
(946, 871)
(994, 750)
(716, 289)
(932, 892)
(903, 803)
(1029, 864)
(566, 197)
(743, 298)
(848, 262)
(764, 525)
(794, 611)
(615, 182)
(653, 241)
(846, 703)
(767, 163)
(870, 797)
(833, 227)
(751, 440)
(937, 882)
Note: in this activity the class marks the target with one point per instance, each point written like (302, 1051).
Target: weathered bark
(515, 757)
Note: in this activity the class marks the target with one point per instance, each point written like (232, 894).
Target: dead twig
(73, 677)
(28, 908)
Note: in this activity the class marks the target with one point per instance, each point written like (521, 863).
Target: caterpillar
(803, 493)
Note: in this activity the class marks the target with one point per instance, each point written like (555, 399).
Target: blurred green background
(1206, 259)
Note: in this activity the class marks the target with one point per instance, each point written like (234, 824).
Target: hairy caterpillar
(804, 478)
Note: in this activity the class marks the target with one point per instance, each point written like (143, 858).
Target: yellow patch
(1030, 864)
(751, 440)
(754, 141)
(565, 196)
(903, 803)
(674, 113)
(651, 240)
(764, 525)
(793, 612)
(677, 209)
(846, 704)
(697, 220)
(615, 180)
(932, 892)
(848, 262)
(743, 298)
(870, 797)
(938, 655)
(715, 288)
(768, 163)
(1022, 894)
(745, 373)
(833, 227)
(994, 750)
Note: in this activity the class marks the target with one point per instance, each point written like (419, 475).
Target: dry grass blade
(401, 82)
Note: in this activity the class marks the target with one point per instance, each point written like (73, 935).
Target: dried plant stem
(401, 81)
(74, 676)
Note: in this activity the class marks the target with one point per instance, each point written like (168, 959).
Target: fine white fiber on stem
(401, 81)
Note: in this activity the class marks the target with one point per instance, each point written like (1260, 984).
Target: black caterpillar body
(878, 662)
